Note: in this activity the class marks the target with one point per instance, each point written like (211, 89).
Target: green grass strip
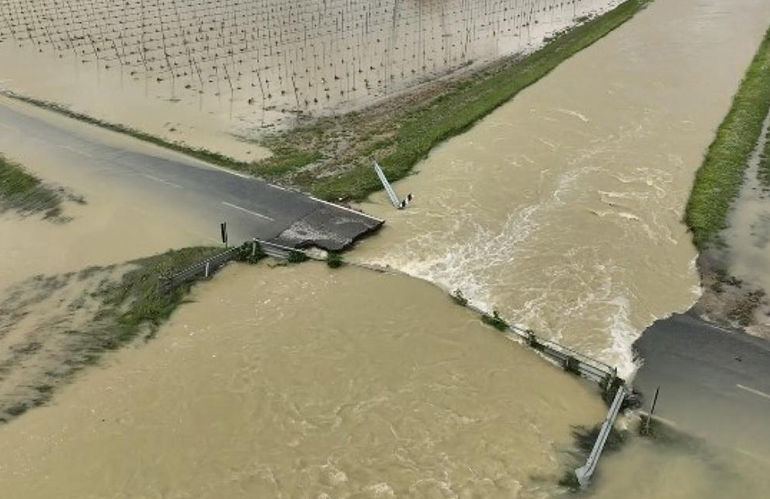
(136, 303)
(456, 111)
(720, 177)
(23, 192)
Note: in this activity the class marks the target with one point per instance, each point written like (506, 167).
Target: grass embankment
(450, 114)
(23, 192)
(720, 177)
(331, 157)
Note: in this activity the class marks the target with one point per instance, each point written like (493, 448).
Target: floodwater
(563, 209)
(684, 469)
(206, 72)
(257, 390)
(748, 235)
(293, 382)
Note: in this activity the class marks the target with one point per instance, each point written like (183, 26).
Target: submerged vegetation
(334, 260)
(495, 321)
(74, 319)
(23, 192)
(134, 303)
(721, 176)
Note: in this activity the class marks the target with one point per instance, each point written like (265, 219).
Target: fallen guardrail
(584, 473)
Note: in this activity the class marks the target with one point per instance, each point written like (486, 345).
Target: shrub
(334, 260)
(248, 253)
(495, 321)
(296, 256)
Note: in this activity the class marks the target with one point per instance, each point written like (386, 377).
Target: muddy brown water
(562, 209)
(263, 388)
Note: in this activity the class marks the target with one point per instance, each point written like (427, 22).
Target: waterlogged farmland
(257, 64)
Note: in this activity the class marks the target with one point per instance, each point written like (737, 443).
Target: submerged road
(715, 382)
(251, 207)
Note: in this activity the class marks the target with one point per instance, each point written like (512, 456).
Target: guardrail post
(254, 247)
(207, 269)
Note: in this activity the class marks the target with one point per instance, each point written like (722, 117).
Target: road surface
(715, 382)
(251, 207)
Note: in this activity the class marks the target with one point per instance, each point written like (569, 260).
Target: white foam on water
(576, 114)
(623, 335)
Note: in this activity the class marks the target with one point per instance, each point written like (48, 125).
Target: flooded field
(747, 237)
(563, 209)
(201, 72)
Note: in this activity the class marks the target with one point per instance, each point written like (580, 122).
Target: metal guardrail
(586, 366)
(208, 267)
(204, 268)
(584, 473)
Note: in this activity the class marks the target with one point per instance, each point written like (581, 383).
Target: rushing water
(563, 209)
(307, 382)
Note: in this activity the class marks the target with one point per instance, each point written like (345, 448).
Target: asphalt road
(715, 382)
(251, 207)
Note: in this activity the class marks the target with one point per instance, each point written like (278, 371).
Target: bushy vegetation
(25, 193)
(334, 260)
(250, 253)
(764, 165)
(721, 175)
(297, 256)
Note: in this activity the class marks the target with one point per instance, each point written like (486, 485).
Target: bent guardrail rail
(584, 473)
